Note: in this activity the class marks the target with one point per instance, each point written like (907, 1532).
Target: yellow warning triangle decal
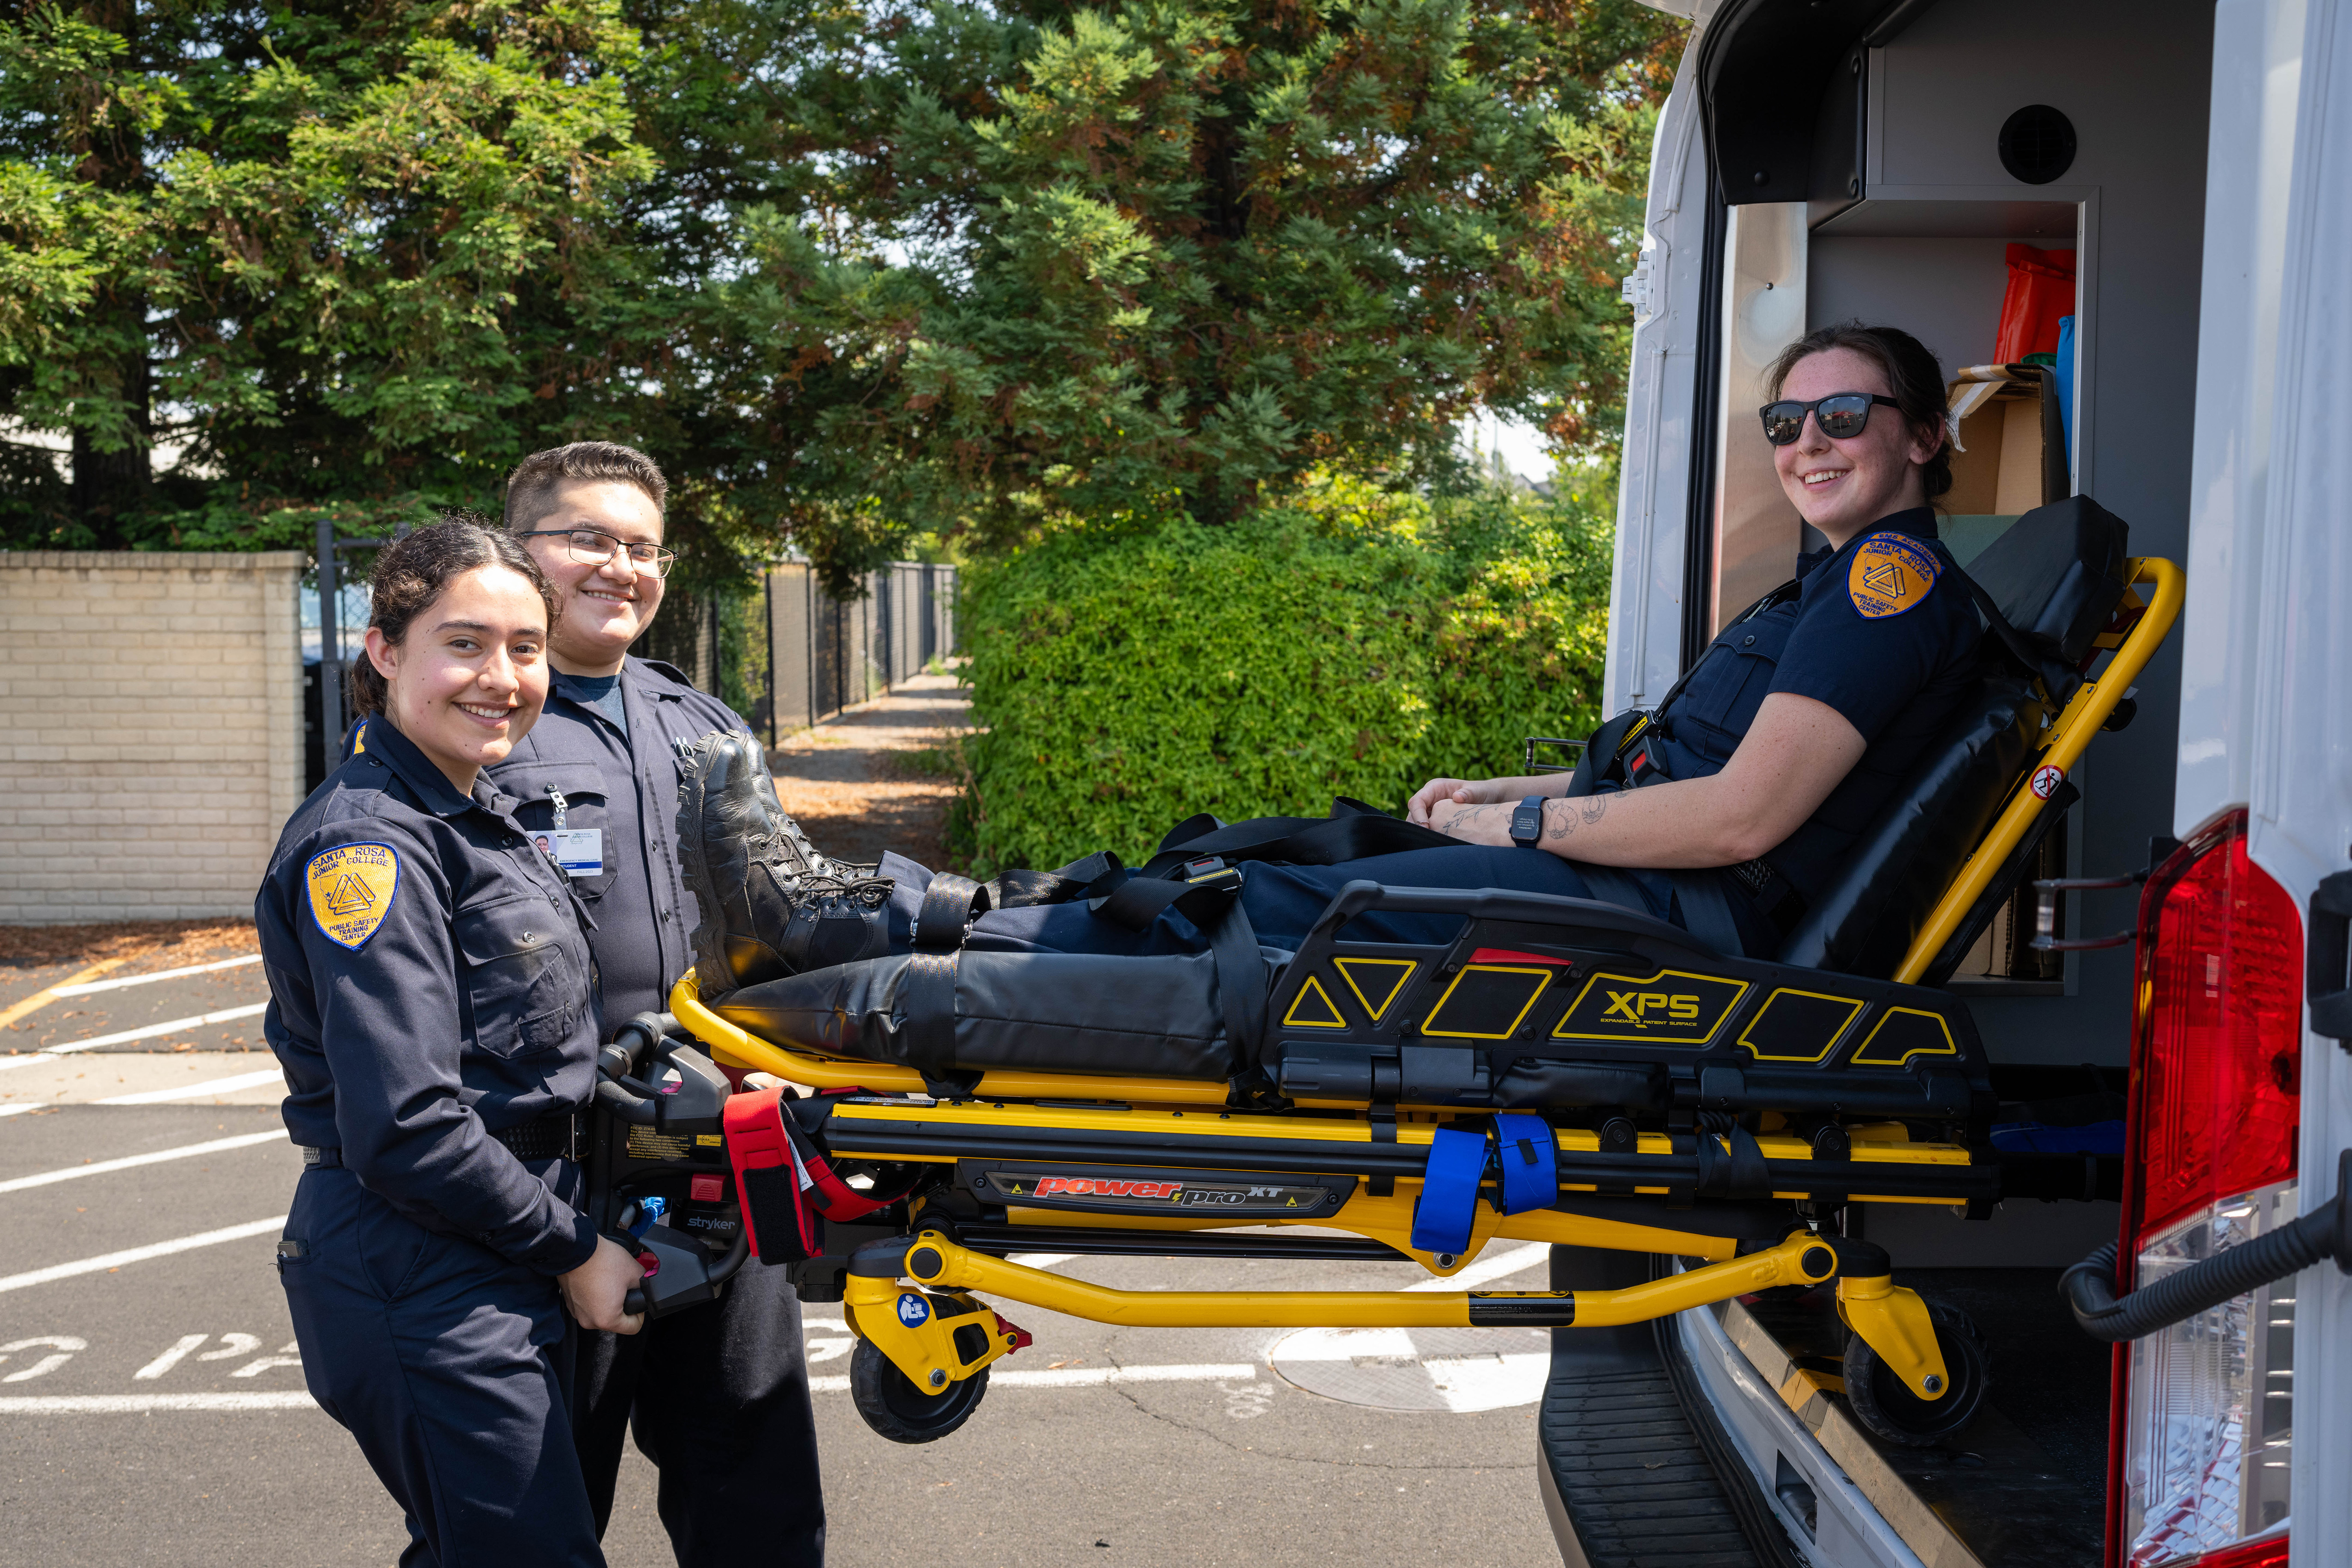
(1367, 975)
(1312, 1009)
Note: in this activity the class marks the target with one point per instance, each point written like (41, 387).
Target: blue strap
(1530, 1171)
(1449, 1191)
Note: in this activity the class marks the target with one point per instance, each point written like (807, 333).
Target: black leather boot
(770, 903)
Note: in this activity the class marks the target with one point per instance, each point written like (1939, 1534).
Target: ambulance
(2124, 227)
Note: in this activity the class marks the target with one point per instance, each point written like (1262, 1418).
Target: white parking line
(65, 1048)
(142, 1403)
(99, 1168)
(1499, 1267)
(117, 985)
(140, 1254)
(20, 1110)
(197, 1090)
(1081, 1376)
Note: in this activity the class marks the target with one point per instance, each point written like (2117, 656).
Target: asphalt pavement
(152, 1411)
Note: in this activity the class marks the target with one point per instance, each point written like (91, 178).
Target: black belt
(558, 1137)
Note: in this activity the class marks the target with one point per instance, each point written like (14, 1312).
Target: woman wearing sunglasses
(1782, 743)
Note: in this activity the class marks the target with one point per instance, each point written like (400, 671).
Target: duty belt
(558, 1137)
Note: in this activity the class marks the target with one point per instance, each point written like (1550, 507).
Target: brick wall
(150, 731)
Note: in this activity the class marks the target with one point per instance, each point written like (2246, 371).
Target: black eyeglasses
(1841, 415)
(593, 547)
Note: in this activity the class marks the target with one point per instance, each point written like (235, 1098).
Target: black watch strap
(1527, 822)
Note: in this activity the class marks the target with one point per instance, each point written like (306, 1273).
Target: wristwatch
(1527, 822)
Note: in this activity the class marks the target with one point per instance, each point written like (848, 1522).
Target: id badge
(579, 850)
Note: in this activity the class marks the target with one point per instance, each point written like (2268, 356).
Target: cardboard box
(2009, 449)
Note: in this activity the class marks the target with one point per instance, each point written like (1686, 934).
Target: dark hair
(1914, 380)
(531, 488)
(411, 573)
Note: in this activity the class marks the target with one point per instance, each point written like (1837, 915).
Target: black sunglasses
(1841, 415)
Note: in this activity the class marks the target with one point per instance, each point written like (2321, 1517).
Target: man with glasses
(717, 1395)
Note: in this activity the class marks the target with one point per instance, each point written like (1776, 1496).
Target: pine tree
(1169, 255)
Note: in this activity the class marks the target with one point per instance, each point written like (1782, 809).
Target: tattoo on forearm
(1564, 827)
(1596, 806)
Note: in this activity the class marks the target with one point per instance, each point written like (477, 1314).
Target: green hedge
(1354, 643)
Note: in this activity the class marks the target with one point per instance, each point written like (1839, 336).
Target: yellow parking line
(41, 999)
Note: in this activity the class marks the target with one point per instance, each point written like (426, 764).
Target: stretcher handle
(1492, 903)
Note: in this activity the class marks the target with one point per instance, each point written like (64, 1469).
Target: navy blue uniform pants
(719, 1397)
(1283, 902)
(449, 1363)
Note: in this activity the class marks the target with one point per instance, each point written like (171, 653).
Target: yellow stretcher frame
(2090, 708)
(921, 1343)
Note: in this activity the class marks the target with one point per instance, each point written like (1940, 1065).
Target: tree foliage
(845, 270)
(1353, 642)
(301, 243)
(1167, 257)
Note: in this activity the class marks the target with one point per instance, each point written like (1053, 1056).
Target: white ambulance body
(1830, 160)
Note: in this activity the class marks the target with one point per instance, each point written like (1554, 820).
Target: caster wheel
(1890, 1410)
(896, 1408)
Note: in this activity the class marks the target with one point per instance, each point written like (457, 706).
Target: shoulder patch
(359, 739)
(352, 887)
(1888, 576)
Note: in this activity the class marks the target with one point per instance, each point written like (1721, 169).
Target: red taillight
(2220, 1030)
(2203, 1435)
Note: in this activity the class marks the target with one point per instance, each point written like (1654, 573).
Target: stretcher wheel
(901, 1412)
(1890, 1410)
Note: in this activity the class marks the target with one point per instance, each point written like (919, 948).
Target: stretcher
(1560, 1070)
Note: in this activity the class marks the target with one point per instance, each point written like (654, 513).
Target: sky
(1522, 446)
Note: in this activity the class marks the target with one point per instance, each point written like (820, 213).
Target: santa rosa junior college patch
(1888, 576)
(352, 887)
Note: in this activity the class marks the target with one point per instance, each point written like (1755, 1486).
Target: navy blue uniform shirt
(429, 983)
(1873, 630)
(624, 783)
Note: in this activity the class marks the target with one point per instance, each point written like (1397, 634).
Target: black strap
(948, 905)
(1213, 904)
(1613, 885)
(929, 1020)
(2059, 679)
(1353, 831)
(1079, 879)
(1241, 981)
(1707, 909)
(1740, 1172)
(1597, 765)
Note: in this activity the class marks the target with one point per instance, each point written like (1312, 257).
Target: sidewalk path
(847, 783)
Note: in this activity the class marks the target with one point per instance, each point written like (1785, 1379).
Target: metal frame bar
(1893, 1320)
(2088, 710)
